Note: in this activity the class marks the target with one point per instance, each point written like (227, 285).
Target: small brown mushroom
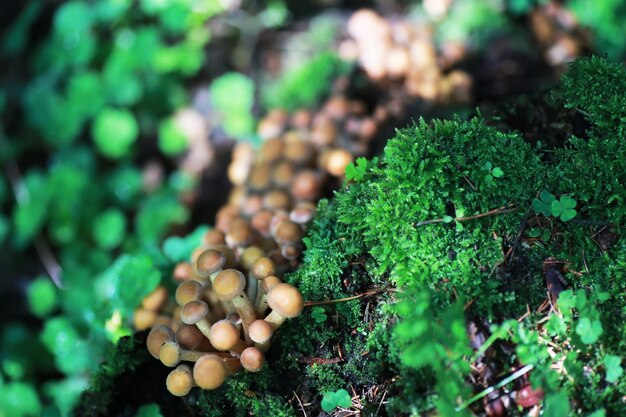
(252, 359)
(225, 337)
(157, 337)
(197, 312)
(156, 299)
(287, 232)
(189, 336)
(210, 263)
(188, 291)
(285, 301)
(210, 371)
(183, 271)
(229, 286)
(261, 333)
(171, 354)
(180, 381)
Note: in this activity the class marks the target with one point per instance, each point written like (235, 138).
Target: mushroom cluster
(225, 316)
(403, 51)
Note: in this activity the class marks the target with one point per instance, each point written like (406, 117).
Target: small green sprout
(356, 172)
(339, 398)
(492, 172)
(548, 205)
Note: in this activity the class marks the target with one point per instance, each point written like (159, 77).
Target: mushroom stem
(252, 286)
(246, 313)
(171, 354)
(275, 319)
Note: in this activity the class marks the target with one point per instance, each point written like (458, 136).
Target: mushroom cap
(169, 354)
(269, 282)
(228, 284)
(263, 267)
(306, 185)
(250, 255)
(194, 311)
(286, 300)
(144, 319)
(189, 336)
(209, 372)
(182, 271)
(180, 381)
(188, 291)
(156, 299)
(252, 359)
(287, 231)
(336, 161)
(239, 233)
(272, 149)
(210, 261)
(224, 335)
(282, 173)
(303, 212)
(277, 200)
(213, 237)
(261, 222)
(260, 331)
(157, 336)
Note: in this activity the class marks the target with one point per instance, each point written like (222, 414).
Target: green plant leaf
(448, 219)
(567, 214)
(114, 132)
(589, 331)
(614, 370)
(172, 141)
(42, 297)
(178, 249)
(567, 202)
(497, 172)
(109, 228)
(556, 405)
(556, 208)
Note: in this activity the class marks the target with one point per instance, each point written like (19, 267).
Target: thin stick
(301, 405)
(499, 385)
(340, 300)
(502, 210)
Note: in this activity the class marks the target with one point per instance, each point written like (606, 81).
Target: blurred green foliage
(232, 96)
(97, 90)
(306, 84)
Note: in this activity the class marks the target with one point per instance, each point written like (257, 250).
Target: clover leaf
(543, 205)
(563, 208)
(589, 331)
(339, 398)
(614, 370)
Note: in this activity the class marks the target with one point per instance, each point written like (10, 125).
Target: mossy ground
(455, 268)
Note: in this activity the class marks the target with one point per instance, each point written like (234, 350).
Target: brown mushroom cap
(180, 381)
(224, 335)
(286, 232)
(250, 255)
(144, 319)
(286, 300)
(209, 372)
(228, 284)
(272, 149)
(260, 331)
(263, 267)
(252, 359)
(213, 237)
(283, 173)
(269, 282)
(210, 261)
(302, 213)
(306, 185)
(170, 353)
(156, 299)
(260, 177)
(336, 161)
(189, 336)
(239, 233)
(188, 291)
(261, 222)
(277, 200)
(183, 271)
(157, 337)
(194, 311)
